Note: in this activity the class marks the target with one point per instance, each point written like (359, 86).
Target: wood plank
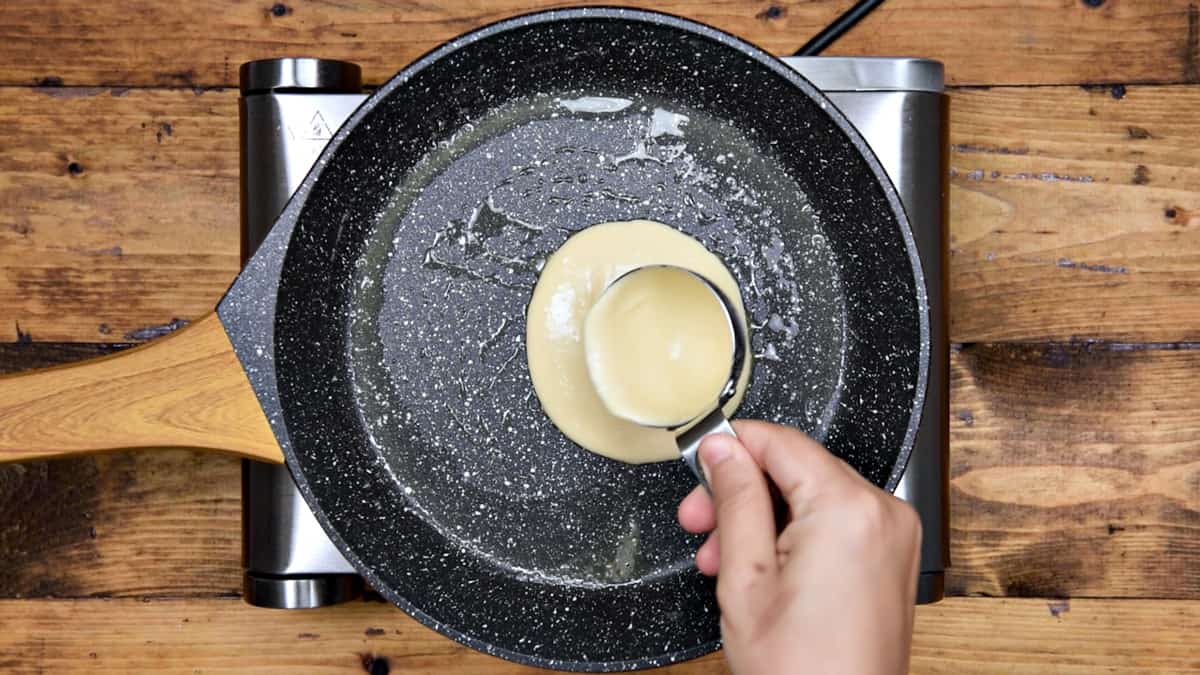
(1075, 214)
(118, 210)
(961, 635)
(155, 43)
(975, 635)
(1056, 232)
(1074, 472)
(140, 524)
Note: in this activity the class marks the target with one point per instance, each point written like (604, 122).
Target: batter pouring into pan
(569, 285)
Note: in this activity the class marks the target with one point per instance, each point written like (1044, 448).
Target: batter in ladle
(658, 344)
(570, 283)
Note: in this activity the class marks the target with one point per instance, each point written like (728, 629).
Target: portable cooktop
(291, 107)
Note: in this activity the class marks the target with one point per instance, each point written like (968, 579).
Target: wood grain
(1074, 472)
(135, 399)
(157, 43)
(141, 524)
(138, 524)
(1080, 637)
(960, 635)
(1056, 232)
(149, 524)
(1075, 214)
(118, 210)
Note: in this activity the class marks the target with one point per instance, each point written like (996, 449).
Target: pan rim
(762, 58)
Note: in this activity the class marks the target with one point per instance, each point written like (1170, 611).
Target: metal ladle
(712, 421)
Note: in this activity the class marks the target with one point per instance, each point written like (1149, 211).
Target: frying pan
(375, 339)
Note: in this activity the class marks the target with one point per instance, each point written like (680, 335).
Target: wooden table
(1075, 279)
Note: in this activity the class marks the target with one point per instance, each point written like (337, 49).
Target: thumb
(745, 522)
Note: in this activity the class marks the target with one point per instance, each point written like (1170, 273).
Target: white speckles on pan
(456, 256)
(403, 405)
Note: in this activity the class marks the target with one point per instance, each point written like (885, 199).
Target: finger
(746, 525)
(697, 513)
(798, 465)
(708, 556)
(754, 435)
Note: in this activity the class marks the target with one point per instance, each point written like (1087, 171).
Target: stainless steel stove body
(291, 107)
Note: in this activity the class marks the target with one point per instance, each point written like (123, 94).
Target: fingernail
(714, 450)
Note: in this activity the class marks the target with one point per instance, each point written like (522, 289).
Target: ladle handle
(689, 446)
(689, 441)
(183, 390)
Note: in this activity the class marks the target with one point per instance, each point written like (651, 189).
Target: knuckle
(735, 588)
(868, 518)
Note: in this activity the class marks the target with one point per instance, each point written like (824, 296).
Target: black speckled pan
(382, 321)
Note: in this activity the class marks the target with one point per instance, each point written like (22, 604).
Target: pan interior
(411, 426)
(441, 293)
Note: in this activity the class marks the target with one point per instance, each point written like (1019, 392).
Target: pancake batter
(570, 283)
(659, 347)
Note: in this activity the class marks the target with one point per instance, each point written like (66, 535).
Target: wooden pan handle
(186, 390)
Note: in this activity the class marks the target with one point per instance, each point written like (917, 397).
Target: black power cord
(838, 28)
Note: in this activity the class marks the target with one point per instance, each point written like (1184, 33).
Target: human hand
(834, 591)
